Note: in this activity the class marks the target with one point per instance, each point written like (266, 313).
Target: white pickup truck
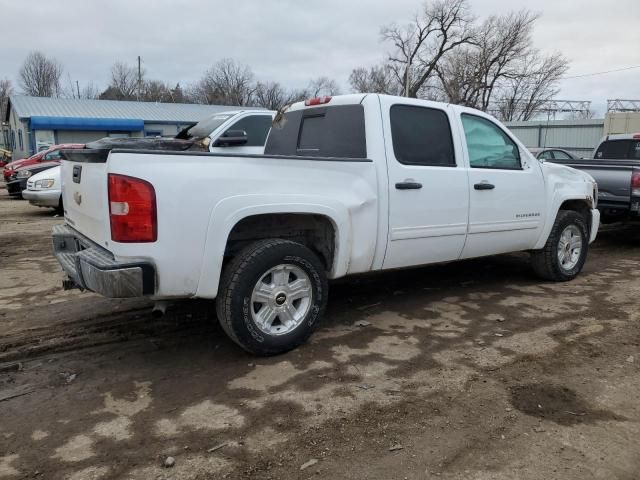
(347, 185)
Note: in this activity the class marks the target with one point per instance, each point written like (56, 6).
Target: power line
(600, 73)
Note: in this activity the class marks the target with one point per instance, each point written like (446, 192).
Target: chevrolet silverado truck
(615, 166)
(346, 185)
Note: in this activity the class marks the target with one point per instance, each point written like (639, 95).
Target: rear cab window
(326, 132)
(619, 150)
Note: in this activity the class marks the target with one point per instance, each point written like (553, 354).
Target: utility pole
(139, 79)
(78, 88)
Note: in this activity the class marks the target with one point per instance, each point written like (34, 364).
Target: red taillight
(132, 209)
(635, 184)
(317, 101)
(636, 136)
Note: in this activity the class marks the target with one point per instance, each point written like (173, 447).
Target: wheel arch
(233, 220)
(581, 205)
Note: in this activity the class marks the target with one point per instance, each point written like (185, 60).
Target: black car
(17, 182)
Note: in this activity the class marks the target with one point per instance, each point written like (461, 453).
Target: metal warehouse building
(34, 123)
(577, 136)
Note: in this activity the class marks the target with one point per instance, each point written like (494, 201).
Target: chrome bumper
(91, 267)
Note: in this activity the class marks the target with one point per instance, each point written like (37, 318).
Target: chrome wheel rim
(281, 299)
(569, 247)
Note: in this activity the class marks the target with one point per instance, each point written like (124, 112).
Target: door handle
(408, 186)
(484, 186)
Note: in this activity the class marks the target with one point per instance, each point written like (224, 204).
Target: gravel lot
(474, 370)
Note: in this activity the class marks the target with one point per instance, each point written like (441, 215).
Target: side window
(421, 136)
(546, 155)
(53, 155)
(488, 145)
(257, 128)
(560, 155)
(614, 149)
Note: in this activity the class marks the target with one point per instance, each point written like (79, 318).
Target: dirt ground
(474, 370)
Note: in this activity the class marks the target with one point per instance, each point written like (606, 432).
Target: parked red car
(50, 155)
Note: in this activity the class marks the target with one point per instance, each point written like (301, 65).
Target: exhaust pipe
(159, 309)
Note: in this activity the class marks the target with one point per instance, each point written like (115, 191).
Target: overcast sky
(292, 41)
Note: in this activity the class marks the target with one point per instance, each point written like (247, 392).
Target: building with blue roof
(35, 123)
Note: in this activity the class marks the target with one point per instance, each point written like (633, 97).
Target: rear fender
(228, 212)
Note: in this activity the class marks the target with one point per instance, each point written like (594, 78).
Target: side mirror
(232, 138)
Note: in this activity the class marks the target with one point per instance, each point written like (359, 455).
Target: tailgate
(613, 178)
(84, 193)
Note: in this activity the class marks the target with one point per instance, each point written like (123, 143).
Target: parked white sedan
(45, 189)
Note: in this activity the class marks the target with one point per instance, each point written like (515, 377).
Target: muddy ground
(474, 370)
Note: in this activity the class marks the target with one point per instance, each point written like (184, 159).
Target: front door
(428, 186)
(507, 191)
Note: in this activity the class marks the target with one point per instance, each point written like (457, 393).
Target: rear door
(428, 185)
(507, 190)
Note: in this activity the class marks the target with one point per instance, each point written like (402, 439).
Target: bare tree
(6, 89)
(442, 26)
(125, 83)
(40, 76)
(155, 91)
(225, 83)
(529, 89)
(376, 79)
(458, 79)
(504, 43)
(90, 91)
(274, 96)
(322, 86)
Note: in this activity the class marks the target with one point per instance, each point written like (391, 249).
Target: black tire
(239, 278)
(546, 263)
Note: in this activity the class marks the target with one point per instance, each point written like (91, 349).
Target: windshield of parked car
(204, 127)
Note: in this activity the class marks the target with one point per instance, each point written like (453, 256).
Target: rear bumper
(595, 224)
(91, 267)
(42, 198)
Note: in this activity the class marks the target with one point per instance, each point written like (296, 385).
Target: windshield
(204, 127)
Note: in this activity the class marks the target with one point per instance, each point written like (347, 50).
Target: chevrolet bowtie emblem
(77, 196)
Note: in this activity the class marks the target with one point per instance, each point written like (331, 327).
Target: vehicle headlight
(23, 174)
(44, 183)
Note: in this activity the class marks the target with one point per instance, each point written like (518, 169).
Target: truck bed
(614, 182)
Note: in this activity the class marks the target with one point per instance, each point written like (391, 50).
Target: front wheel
(272, 296)
(565, 252)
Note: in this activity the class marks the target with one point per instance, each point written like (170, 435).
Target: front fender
(564, 184)
(229, 211)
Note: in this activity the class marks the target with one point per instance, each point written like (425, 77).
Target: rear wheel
(272, 296)
(565, 252)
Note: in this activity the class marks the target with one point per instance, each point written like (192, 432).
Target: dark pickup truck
(616, 169)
